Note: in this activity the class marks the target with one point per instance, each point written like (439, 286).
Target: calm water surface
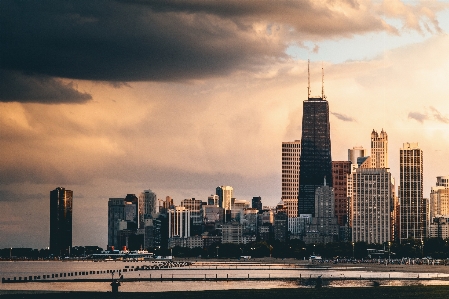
(197, 270)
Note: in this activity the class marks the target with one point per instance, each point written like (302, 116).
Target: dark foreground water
(434, 292)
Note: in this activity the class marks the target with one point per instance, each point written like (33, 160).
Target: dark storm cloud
(342, 117)
(124, 41)
(15, 86)
(113, 41)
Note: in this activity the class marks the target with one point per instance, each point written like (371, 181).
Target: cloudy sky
(113, 97)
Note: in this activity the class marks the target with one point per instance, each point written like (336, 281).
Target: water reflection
(295, 275)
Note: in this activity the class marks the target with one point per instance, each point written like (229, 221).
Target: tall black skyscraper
(61, 203)
(316, 160)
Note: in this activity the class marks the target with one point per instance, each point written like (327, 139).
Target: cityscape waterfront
(172, 146)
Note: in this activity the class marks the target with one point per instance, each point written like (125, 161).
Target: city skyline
(123, 100)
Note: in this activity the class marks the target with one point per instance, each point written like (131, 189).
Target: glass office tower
(316, 160)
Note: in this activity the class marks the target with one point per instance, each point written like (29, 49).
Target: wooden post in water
(115, 284)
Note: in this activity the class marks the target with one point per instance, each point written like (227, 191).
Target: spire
(308, 78)
(322, 83)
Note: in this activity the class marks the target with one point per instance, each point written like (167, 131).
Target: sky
(107, 98)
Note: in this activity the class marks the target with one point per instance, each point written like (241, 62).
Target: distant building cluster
(322, 201)
(145, 222)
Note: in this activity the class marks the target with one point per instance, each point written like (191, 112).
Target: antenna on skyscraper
(322, 82)
(308, 78)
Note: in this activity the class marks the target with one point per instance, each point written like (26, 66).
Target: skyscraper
(413, 222)
(371, 205)
(323, 227)
(61, 205)
(179, 222)
(195, 206)
(439, 198)
(116, 220)
(291, 153)
(379, 149)
(147, 206)
(225, 194)
(438, 206)
(340, 172)
(316, 160)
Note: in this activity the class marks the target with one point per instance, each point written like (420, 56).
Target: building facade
(232, 233)
(280, 227)
(148, 205)
(413, 220)
(61, 207)
(371, 205)
(213, 200)
(291, 154)
(291, 205)
(196, 210)
(355, 153)
(316, 160)
(439, 200)
(225, 195)
(340, 172)
(323, 227)
(379, 149)
(116, 214)
(439, 197)
(439, 227)
(178, 222)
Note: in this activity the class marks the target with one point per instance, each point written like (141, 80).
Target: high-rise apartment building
(371, 205)
(147, 206)
(225, 195)
(413, 220)
(196, 210)
(179, 222)
(61, 206)
(340, 172)
(291, 154)
(316, 160)
(379, 149)
(439, 200)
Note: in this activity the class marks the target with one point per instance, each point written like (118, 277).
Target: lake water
(342, 276)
